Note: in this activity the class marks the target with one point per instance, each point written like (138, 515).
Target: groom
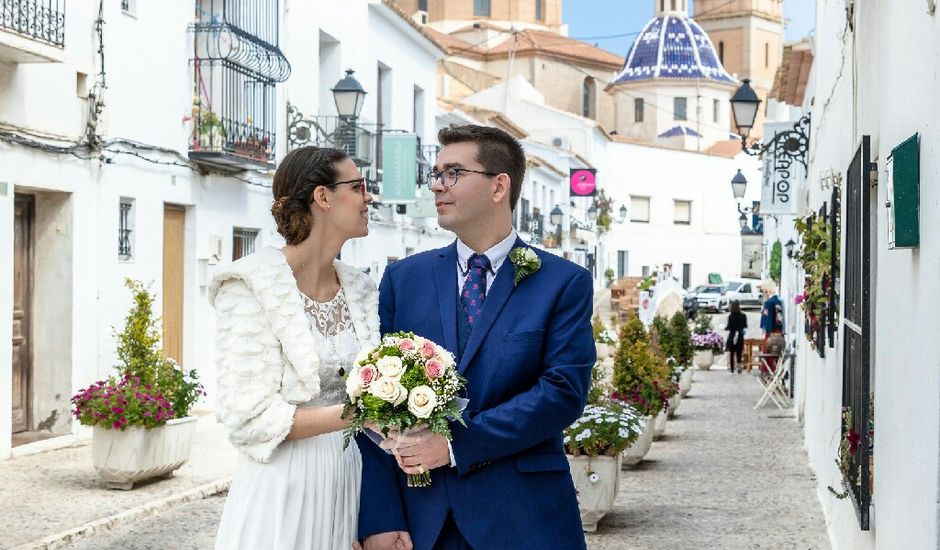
(526, 349)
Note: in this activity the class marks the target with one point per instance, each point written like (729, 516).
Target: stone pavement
(723, 476)
(53, 497)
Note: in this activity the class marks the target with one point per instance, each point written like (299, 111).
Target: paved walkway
(723, 476)
(52, 497)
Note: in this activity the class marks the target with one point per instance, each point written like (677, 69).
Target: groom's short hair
(497, 151)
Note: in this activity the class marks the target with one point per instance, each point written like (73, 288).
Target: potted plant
(848, 446)
(706, 342)
(609, 276)
(210, 132)
(603, 340)
(141, 427)
(640, 378)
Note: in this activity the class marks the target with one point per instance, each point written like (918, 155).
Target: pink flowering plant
(405, 383)
(151, 388)
(709, 341)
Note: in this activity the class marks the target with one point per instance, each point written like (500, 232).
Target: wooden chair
(752, 347)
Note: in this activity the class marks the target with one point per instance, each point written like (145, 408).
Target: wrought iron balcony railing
(42, 20)
(236, 63)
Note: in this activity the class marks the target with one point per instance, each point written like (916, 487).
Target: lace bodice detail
(337, 346)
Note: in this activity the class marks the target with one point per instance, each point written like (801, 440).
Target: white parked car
(710, 297)
(745, 291)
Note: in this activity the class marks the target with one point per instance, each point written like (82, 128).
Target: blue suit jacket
(528, 363)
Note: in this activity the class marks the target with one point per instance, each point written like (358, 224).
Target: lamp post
(789, 246)
(790, 143)
(556, 218)
(738, 187)
(349, 97)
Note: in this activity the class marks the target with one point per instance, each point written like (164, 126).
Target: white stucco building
(146, 150)
(882, 352)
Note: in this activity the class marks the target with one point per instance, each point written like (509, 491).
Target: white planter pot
(704, 359)
(122, 458)
(596, 479)
(603, 350)
(635, 452)
(659, 424)
(685, 383)
(673, 405)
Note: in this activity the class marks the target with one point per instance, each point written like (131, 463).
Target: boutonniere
(526, 262)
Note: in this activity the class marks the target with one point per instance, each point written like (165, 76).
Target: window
(683, 212)
(481, 7)
(716, 110)
(129, 7)
(638, 109)
(686, 275)
(721, 52)
(673, 5)
(766, 54)
(640, 209)
(679, 108)
(125, 229)
(539, 10)
(243, 242)
(745, 289)
(623, 263)
(423, 5)
(588, 101)
(645, 271)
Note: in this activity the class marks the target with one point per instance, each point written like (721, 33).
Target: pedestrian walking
(737, 322)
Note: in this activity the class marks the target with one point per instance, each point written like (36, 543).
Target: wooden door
(174, 224)
(24, 208)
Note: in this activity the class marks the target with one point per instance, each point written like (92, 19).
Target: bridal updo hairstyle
(301, 171)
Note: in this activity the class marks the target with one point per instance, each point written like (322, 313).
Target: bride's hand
(370, 425)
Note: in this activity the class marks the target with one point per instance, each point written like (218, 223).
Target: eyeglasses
(358, 185)
(449, 177)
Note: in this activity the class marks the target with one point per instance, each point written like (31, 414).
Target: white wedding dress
(307, 496)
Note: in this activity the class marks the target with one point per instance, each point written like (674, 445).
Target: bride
(290, 323)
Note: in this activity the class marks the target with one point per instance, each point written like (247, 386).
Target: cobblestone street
(723, 476)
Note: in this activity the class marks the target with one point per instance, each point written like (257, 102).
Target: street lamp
(556, 218)
(349, 96)
(742, 221)
(789, 246)
(623, 213)
(790, 143)
(592, 213)
(738, 187)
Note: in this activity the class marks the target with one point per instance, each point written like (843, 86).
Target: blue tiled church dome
(673, 47)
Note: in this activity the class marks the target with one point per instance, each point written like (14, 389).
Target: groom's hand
(421, 452)
(393, 540)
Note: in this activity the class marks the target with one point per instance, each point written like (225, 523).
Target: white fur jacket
(266, 357)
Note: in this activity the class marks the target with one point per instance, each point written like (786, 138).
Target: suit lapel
(445, 276)
(496, 298)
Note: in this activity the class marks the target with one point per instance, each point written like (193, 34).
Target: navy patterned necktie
(474, 287)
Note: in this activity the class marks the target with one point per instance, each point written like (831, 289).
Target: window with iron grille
(857, 333)
(243, 242)
(125, 229)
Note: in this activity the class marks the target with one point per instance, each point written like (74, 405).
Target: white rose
(422, 401)
(391, 367)
(446, 358)
(353, 387)
(530, 256)
(389, 390)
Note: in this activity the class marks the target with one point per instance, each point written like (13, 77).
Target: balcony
(32, 31)
(236, 64)
(363, 142)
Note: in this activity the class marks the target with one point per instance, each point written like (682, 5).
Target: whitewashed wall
(893, 51)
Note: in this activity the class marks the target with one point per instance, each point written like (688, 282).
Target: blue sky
(590, 19)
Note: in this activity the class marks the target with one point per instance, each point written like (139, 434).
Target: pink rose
(434, 369)
(406, 344)
(429, 350)
(366, 375)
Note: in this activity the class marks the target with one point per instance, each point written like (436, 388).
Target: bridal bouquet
(404, 382)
